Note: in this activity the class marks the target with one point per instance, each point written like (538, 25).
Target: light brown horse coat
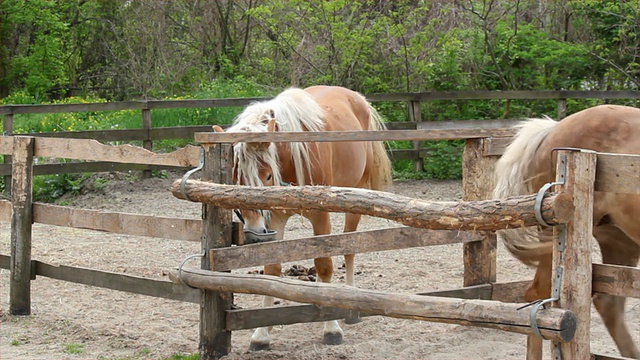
(348, 164)
(529, 163)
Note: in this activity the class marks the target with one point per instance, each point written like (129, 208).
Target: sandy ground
(71, 321)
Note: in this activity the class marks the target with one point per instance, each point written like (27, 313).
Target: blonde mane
(294, 110)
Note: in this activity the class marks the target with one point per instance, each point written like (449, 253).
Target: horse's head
(256, 164)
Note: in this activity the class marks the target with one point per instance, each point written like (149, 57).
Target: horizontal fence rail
(556, 324)
(420, 96)
(147, 134)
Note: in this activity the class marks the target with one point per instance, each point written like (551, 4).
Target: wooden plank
(575, 259)
(619, 173)
(469, 125)
(332, 245)
(241, 319)
(63, 108)
(512, 292)
(326, 136)
(118, 281)
(616, 280)
(556, 324)
(607, 357)
(217, 229)
(93, 166)
(159, 133)
(182, 132)
(99, 135)
(400, 125)
(499, 95)
(495, 146)
(415, 115)
(203, 103)
(5, 210)
(6, 145)
(85, 149)
(21, 224)
(477, 184)
(241, 102)
(118, 223)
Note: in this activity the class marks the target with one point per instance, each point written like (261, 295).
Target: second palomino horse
(528, 164)
(349, 164)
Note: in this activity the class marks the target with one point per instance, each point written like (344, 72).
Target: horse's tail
(382, 170)
(512, 178)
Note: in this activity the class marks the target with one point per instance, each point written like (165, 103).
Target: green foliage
(49, 188)
(444, 160)
(37, 30)
(90, 51)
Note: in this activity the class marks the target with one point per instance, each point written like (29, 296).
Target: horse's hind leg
(351, 222)
(332, 334)
(616, 249)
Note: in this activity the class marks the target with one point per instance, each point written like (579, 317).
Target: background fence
(147, 134)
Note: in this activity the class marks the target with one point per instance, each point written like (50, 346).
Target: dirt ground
(71, 321)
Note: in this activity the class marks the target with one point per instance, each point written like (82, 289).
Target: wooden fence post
(477, 184)
(573, 257)
(7, 126)
(147, 143)
(415, 116)
(21, 220)
(215, 340)
(562, 109)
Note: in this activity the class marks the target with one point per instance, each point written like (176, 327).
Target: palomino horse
(350, 164)
(529, 163)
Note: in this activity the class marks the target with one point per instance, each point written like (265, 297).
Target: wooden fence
(147, 134)
(217, 230)
(575, 293)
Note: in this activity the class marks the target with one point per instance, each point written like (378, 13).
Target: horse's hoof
(353, 320)
(259, 346)
(332, 339)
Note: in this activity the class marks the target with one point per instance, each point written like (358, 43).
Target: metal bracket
(537, 207)
(533, 315)
(186, 176)
(203, 254)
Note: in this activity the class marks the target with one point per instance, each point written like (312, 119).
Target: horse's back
(345, 109)
(607, 129)
(604, 128)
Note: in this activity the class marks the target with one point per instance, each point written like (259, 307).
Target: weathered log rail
(487, 215)
(555, 324)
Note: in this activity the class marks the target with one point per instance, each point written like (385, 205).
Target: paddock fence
(218, 233)
(147, 133)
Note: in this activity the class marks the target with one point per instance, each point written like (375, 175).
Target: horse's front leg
(321, 222)
(351, 224)
(261, 340)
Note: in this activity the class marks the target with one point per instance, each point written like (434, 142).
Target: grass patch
(183, 357)
(74, 349)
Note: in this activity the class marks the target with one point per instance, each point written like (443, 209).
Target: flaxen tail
(381, 174)
(512, 179)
